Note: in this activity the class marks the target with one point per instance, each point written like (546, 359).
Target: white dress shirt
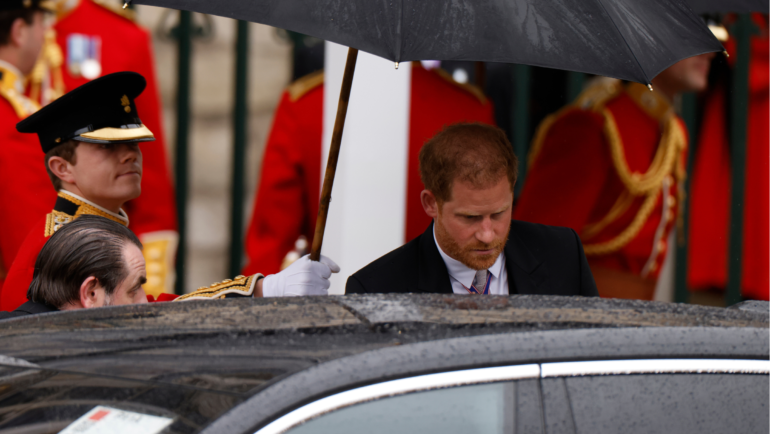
(461, 276)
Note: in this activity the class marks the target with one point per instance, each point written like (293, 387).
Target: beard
(465, 254)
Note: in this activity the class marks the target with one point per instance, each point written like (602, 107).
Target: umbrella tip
(726, 53)
(396, 65)
(649, 86)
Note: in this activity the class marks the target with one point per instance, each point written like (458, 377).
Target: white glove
(303, 277)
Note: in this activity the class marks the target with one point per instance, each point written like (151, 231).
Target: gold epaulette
(126, 13)
(305, 84)
(159, 252)
(54, 220)
(470, 88)
(241, 286)
(22, 105)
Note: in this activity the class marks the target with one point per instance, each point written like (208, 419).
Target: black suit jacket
(544, 260)
(28, 308)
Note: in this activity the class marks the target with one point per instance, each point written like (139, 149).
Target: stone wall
(210, 147)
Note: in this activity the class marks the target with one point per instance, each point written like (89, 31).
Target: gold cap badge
(126, 104)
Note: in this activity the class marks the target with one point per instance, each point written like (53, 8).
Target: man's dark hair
(88, 246)
(7, 19)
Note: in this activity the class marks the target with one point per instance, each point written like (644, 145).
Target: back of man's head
(472, 153)
(9, 16)
(88, 246)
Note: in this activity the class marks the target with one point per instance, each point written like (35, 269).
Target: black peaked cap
(100, 111)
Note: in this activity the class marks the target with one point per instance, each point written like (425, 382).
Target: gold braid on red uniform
(46, 80)
(241, 286)
(667, 162)
(69, 206)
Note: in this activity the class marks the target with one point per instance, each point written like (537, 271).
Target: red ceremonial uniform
(710, 189)
(608, 168)
(290, 181)
(27, 194)
(99, 34)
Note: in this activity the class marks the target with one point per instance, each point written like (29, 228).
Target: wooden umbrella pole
(334, 154)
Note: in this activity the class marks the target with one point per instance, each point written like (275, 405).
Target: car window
(657, 403)
(40, 401)
(483, 409)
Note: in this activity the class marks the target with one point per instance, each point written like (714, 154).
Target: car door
(615, 396)
(682, 396)
(489, 400)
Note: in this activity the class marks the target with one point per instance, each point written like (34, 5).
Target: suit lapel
(433, 276)
(525, 270)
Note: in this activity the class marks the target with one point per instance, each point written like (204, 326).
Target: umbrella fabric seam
(399, 30)
(612, 19)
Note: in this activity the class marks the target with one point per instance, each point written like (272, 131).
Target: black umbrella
(626, 39)
(729, 6)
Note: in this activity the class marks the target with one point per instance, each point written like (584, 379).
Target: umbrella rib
(398, 31)
(601, 3)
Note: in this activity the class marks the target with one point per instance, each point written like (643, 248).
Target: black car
(389, 364)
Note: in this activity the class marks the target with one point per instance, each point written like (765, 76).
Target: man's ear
(19, 29)
(91, 293)
(62, 169)
(429, 203)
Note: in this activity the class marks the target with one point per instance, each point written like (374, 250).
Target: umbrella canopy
(626, 39)
(729, 6)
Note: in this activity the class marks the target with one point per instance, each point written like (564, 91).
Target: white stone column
(367, 213)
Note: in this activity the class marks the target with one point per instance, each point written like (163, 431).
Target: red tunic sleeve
(289, 185)
(27, 193)
(14, 291)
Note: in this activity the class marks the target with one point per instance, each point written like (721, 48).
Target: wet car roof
(241, 347)
(276, 337)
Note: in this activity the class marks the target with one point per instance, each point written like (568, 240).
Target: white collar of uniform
(121, 215)
(461, 272)
(19, 82)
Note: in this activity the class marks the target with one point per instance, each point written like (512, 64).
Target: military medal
(84, 56)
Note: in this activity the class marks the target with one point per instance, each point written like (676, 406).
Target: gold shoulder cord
(667, 160)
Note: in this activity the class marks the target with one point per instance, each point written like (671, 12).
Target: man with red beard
(472, 246)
